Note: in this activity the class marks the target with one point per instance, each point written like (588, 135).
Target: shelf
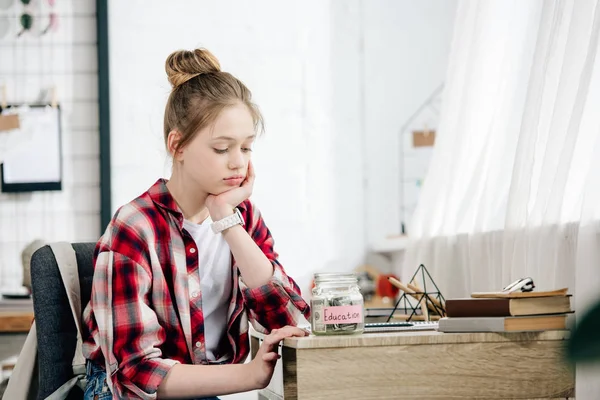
(390, 245)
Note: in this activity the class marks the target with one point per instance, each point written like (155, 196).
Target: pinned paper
(424, 138)
(9, 122)
(32, 155)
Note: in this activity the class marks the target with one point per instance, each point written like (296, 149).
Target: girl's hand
(263, 364)
(222, 205)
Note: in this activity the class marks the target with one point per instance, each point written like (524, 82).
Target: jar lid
(335, 277)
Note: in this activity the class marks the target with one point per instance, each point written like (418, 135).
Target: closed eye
(223, 151)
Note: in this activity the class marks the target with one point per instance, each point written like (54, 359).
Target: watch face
(239, 214)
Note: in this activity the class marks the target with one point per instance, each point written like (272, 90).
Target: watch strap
(227, 222)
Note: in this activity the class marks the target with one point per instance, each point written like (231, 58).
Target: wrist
(221, 212)
(226, 232)
(251, 377)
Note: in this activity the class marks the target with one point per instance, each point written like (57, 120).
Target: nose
(236, 160)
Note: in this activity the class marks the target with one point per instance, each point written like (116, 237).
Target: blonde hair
(200, 92)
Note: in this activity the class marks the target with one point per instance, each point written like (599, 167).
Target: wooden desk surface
(15, 315)
(416, 338)
(422, 365)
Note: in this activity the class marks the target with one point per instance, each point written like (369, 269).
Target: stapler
(523, 284)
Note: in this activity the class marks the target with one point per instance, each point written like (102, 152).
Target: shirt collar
(161, 196)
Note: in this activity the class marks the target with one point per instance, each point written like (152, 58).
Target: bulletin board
(34, 160)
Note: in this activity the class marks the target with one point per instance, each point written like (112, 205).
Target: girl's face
(216, 160)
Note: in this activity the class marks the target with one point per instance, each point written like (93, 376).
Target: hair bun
(183, 65)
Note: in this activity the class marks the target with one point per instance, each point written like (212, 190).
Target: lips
(234, 180)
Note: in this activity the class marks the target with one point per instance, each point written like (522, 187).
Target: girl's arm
(191, 381)
(256, 269)
(272, 297)
(186, 381)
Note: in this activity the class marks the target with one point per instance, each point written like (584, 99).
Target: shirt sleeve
(129, 332)
(279, 302)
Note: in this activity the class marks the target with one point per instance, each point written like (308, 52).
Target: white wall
(335, 80)
(29, 64)
(407, 44)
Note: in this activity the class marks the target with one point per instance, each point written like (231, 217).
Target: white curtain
(513, 188)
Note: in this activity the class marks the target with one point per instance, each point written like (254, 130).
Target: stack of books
(507, 312)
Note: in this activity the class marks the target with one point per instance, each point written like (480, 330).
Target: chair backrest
(56, 330)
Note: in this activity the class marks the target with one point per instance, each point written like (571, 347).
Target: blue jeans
(97, 386)
(96, 383)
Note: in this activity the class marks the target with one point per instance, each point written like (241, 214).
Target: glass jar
(337, 305)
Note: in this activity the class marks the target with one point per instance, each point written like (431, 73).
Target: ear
(173, 139)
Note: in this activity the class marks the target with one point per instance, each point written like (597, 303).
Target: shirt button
(192, 250)
(198, 344)
(195, 294)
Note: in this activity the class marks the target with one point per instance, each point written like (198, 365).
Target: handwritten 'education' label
(342, 315)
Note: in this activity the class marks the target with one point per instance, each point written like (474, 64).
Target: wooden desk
(15, 321)
(15, 315)
(422, 365)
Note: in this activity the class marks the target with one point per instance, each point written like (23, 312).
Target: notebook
(372, 327)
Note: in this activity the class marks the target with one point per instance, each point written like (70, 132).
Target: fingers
(271, 341)
(294, 330)
(278, 335)
(250, 175)
(271, 357)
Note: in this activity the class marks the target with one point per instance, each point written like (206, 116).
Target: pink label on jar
(342, 315)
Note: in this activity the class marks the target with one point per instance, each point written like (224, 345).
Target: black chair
(56, 330)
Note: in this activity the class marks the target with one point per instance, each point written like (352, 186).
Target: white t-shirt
(214, 266)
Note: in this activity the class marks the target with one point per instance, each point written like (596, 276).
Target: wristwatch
(228, 222)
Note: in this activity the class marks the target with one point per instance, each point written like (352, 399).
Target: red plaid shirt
(141, 319)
